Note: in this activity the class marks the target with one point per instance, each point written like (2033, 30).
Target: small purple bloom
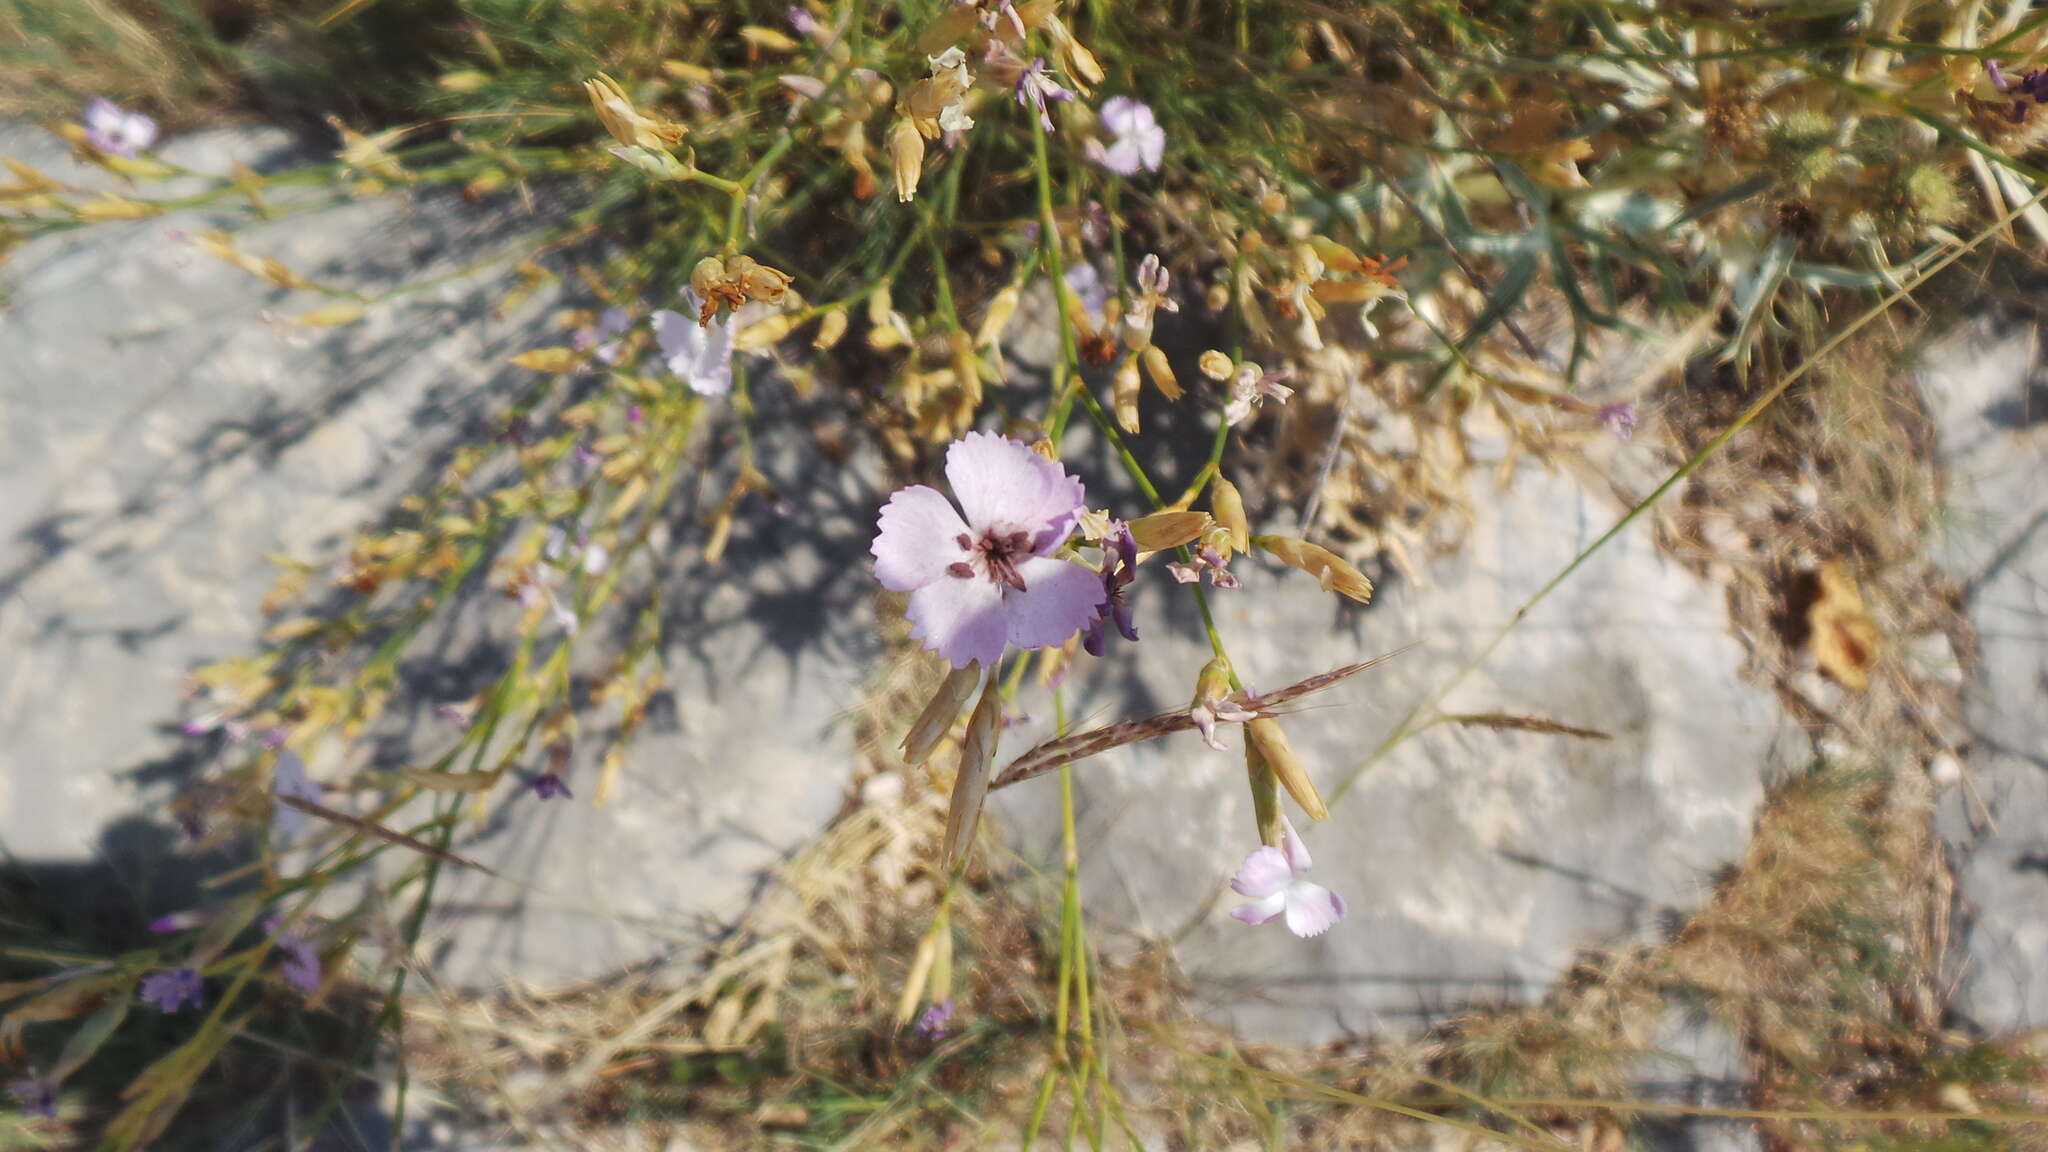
(37, 1096)
(604, 335)
(1272, 878)
(1034, 88)
(549, 785)
(1119, 569)
(174, 990)
(301, 964)
(290, 782)
(987, 575)
(1138, 143)
(112, 128)
(801, 21)
(1206, 559)
(1997, 75)
(633, 414)
(1619, 419)
(1251, 387)
(699, 353)
(932, 1024)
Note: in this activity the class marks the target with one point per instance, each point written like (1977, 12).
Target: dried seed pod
(1123, 394)
(1330, 570)
(970, 784)
(1162, 530)
(1265, 736)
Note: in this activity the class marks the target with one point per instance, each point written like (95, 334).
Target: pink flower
(112, 128)
(1619, 419)
(1206, 558)
(989, 579)
(1139, 142)
(1272, 878)
(1250, 387)
(1205, 714)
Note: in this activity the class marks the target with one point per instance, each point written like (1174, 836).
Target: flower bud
(1228, 507)
(759, 282)
(1265, 735)
(707, 276)
(906, 157)
(1161, 371)
(830, 329)
(1123, 394)
(1213, 683)
(1163, 530)
(765, 333)
(966, 367)
(1215, 365)
(1331, 571)
(1335, 255)
(997, 317)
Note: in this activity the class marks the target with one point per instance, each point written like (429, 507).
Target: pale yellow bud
(1214, 681)
(707, 277)
(1228, 505)
(966, 367)
(1330, 570)
(1123, 394)
(906, 158)
(830, 329)
(936, 720)
(997, 318)
(764, 333)
(1215, 365)
(1161, 371)
(626, 125)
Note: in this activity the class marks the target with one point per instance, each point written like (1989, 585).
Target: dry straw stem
(1410, 723)
(1081, 745)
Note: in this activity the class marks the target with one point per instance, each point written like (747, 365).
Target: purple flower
(1272, 878)
(604, 335)
(932, 1024)
(633, 414)
(700, 353)
(301, 964)
(1034, 88)
(172, 991)
(990, 578)
(112, 128)
(1138, 140)
(290, 782)
(37, 1096)
(1086, 284)
(1119, 568)
(549, 785)
(801, 21)
(1619, 419)
(1997, 75)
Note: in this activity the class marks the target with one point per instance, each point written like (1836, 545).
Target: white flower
(1272, 878)
(700, 353)
(1139, 142)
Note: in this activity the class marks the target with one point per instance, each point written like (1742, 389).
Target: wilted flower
(1151, 299)
(1252, 385)
(549, 785)
(37, 1096)
(1272, 879)
(725, 283)
(1213, 703)
(113, 129)
(301, 964)
(1619, 419)
(1029, 83)
(624, 122)
(1138, 143)
(906, 158)
(698, 351)
(1119, 568)
(937, 104)
(603, 336)
(1206, 559)
(989, 578)
(172, 991)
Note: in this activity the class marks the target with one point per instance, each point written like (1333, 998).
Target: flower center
(996, 556)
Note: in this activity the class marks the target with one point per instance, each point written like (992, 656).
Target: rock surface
(1477, 862)
(1984, 388)
(161, 435)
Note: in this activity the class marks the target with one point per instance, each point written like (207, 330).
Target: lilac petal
(1205, 722)
(1120, 114)
(701, 354)
(289, 779)
(1126, 623)
(1294, 846)
(103, 116)
(1185, 573)
(961, 620)
(1264, 873)
(917, 537)
(1059, 599)
(614, 322)
(1151, 142)
(1125, 157)
(1262, 910)
(1311, 909)
(1002, 481)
